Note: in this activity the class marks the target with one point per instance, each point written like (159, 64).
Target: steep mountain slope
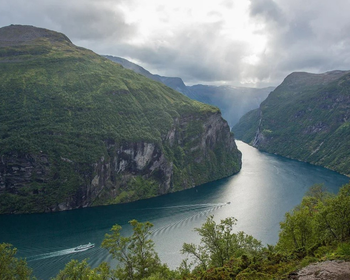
(307, 118)
(233, 102)
(78, 130)
(175, 83)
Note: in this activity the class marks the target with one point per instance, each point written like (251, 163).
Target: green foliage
(310, 232)
(138, 188)
(135, 254)
(12, 268)
(343, 250)
(247, 126)
(319, 219)
(75, 270)
(219, 244)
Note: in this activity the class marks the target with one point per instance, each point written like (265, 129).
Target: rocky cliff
(78, 130)
(305, 118)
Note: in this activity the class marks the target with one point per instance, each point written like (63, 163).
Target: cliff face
(129, 171)
(305, 118)
(78, 130)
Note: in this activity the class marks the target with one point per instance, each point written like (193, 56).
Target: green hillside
(68, 116)
(306, 118)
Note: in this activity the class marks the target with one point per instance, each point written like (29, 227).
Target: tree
(296, 230)
(219, 244)
(333, 217)
(319, 192)
(12, 268)
(135, 254)
(75, 270)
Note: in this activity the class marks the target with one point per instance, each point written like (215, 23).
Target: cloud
(190, 55)
(239, 42)
(302, 36)
(81, 20)
(268, 10)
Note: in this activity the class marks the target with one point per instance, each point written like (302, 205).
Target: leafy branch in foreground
(135, 254)
(75, 270)
(10, 266)
(219, 244)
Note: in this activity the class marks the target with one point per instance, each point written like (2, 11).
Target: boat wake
(59, 253)
(183, 222)
(52, 254)
(189, 206)
(200, 209)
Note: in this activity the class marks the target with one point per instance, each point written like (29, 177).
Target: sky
(252, 43)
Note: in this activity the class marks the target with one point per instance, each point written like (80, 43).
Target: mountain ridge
(233, 102)
(78, 130)
(305, 118)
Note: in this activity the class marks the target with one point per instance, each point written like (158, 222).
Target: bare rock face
(328, 270)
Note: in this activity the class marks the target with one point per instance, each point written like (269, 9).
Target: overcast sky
(236, 42)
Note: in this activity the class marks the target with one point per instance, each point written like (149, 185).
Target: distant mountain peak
(16, 35)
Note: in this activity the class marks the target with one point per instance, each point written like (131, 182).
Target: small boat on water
(84, 247)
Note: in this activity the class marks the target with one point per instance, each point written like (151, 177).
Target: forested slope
(79, 130)
(307, 118)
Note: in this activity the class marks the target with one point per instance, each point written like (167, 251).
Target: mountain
(307, 118)
(78, 130)
(233, 102)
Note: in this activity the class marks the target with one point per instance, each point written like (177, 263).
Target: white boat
(84, 247)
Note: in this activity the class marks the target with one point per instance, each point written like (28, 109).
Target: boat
(84, 247)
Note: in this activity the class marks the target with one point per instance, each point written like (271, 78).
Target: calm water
(266, 188)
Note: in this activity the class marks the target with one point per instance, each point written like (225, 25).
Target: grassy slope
(70, 91)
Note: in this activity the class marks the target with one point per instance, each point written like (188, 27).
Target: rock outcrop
(328, 270)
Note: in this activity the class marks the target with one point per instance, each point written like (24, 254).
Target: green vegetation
(12, 268)
(219, 245)
(305, 118)
(75, 270)
(247, 127)
(136, 255)
(316, 230)
(65, 109)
